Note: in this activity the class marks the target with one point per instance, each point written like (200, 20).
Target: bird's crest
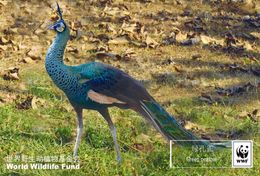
(59, 11)
(59, 24)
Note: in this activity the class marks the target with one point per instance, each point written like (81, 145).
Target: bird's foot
(75, 154)
(76, 158)
(119, 159)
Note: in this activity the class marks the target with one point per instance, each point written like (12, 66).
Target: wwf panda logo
(242, 151)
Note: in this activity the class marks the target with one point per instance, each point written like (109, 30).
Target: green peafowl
(98, 86)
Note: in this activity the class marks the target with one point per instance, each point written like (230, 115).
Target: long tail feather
(171, 129)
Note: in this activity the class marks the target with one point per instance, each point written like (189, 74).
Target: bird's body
(77, 81)
(99, 86)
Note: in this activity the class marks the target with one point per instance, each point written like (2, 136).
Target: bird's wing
(109, 85)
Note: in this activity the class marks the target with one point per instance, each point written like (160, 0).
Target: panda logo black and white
(242, 151)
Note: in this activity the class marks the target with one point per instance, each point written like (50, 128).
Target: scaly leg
(112, 128)
(79, 130)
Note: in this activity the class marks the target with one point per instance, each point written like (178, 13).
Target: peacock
(97, 86)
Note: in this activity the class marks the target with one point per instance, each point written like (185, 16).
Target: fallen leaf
(25, 104)
(119, 40)
(133, 28)
(115, 11)
(209, 99)
(206, 40)
(191, 41)
(230, 39)
(254, 115)
(27, 60)
(247, 46)
(39, 31)
(181, 37)
(151, 42)
(234, 90)
(102, 48)
(109, 27)
(4, 2)
(4, 40)
(7, 98)
(190, 126)
(103, 37)
(35, 52)
(169, 40)
(196, 56)
(72, 49)
(102, 55)
(242, 114)
(12, 74)
(3, 47)
(128, 54)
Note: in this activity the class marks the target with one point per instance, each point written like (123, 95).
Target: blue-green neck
(56, 50)
(54, 61)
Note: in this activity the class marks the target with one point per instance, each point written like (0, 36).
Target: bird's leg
(112, 128)
(79, 130)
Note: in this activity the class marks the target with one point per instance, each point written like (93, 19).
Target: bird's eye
(60, 27)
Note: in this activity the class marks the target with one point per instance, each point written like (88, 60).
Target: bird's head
(59, 26)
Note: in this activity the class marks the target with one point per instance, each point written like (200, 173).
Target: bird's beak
(51, 27)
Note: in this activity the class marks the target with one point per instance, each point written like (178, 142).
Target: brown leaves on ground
(126, 55)
(119, 40)
(12, 73)
(235, 90)
(35, 53)
(25, 104)
(113, 31)
(30, 102)
(7, 98)
(253, 115)
(221, 93)
(151, 42)
(120, 11)
(236, 67)
(210, 99)
(129, 33)
(229, 44)
(252, 21)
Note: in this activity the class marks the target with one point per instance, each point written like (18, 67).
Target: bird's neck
(56, 50)
(54, 61)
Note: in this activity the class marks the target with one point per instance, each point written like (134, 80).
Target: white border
(210, 141)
